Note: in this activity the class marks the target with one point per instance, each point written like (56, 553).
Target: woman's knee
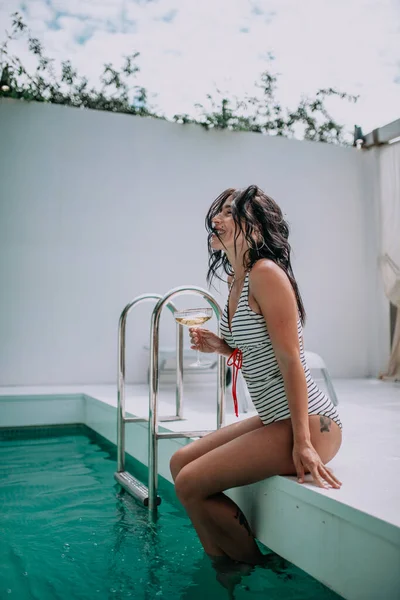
(177, 462)
(186, 485)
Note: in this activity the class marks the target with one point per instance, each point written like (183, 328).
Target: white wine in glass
(194, 317)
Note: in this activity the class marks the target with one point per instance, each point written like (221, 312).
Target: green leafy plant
(263, 113)
(119, 92)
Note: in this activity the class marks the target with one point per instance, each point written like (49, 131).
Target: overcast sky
(190, 47)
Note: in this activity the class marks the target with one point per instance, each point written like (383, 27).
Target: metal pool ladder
(148, 495)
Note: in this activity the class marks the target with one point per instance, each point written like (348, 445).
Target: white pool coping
(349, 538)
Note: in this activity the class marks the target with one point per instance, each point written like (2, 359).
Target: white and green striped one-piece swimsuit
(260, 368)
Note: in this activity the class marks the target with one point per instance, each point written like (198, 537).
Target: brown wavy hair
(256, 213)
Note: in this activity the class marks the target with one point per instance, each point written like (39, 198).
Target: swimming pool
(68, 531)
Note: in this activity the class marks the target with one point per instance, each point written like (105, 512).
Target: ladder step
(171, 418)
(146, 419)
(183, 434)
(134, 487)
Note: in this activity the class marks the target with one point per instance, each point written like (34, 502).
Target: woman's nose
(216, 221)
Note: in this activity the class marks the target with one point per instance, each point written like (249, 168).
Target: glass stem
(198, 361)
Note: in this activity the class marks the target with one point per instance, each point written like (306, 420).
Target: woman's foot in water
(230, 572)
(274, 562)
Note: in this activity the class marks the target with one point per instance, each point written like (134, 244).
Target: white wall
(96, 208)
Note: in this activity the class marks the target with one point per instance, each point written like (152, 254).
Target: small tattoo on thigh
(325, 423)
(243, 521)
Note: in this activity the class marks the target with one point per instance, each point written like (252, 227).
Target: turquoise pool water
(68, 532)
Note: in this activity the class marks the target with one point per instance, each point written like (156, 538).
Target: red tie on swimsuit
(235, 360)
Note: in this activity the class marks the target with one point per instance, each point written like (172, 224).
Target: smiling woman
(297, 429)
(263, 228)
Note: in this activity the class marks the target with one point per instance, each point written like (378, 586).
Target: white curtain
(390, 243)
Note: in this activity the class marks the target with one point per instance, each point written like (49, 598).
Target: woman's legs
(190, 452)
(255, 455)
(194, 450)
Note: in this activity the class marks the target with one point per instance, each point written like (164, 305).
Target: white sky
(190, 47)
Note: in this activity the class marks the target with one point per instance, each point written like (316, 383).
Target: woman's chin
(216, 245)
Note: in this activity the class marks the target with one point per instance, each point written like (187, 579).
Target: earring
(262, 245)
(260, 248)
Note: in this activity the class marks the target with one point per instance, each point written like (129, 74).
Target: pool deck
(349, 538)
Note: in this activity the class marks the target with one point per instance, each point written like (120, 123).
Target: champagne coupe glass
(194, 317)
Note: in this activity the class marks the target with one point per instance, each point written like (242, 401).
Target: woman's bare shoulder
(267, 271)
(265, 266)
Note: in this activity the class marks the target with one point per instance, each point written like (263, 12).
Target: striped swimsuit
(260, 367)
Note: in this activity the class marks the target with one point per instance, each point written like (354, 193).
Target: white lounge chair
(314, 361)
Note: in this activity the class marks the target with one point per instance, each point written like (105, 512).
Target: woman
(297, 429)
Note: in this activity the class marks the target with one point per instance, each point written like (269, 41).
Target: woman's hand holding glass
(208, 342)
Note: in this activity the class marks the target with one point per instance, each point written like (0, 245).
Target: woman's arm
(274, 294)
(207, 341)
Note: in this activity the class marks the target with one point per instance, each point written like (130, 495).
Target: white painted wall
(96, 208)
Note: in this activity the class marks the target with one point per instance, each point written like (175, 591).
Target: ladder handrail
(121, 419)
(149, 495)
(154, 381)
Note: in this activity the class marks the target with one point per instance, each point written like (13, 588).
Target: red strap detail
(235, 360)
